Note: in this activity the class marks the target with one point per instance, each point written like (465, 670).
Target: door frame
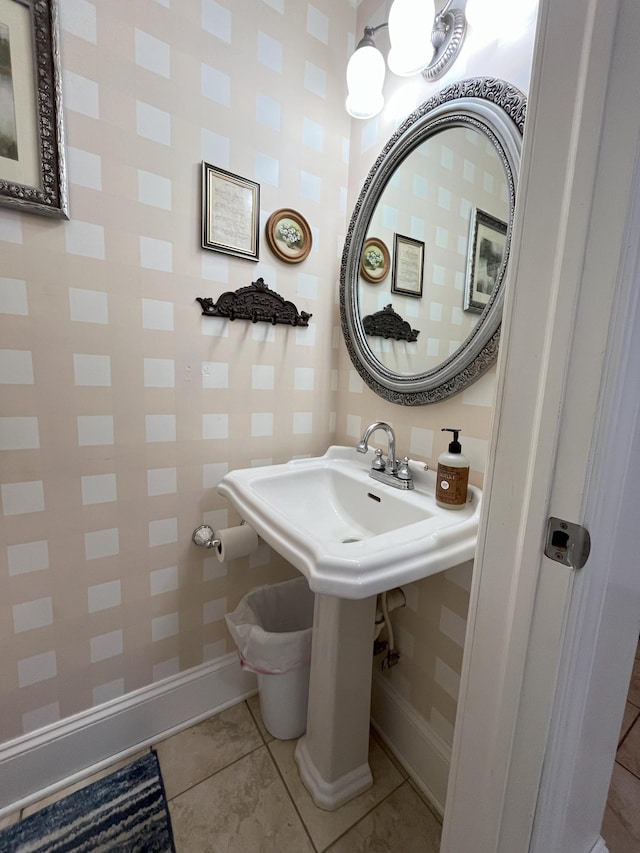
(552, 423)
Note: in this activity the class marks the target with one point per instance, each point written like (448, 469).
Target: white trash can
(271, 627)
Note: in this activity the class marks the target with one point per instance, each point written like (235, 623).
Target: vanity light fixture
(411, 51)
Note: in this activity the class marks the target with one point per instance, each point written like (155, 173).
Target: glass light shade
(365, 77)
(410, 26)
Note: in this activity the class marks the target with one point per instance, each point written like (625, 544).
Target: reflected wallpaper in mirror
(432, 197)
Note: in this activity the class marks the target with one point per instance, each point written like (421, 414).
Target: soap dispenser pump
(453, 475)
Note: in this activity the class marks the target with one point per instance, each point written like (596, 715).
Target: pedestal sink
(352, 538)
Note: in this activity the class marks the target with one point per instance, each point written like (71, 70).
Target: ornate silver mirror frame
(497, 110)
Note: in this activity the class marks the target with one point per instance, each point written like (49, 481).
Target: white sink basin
(350, 535)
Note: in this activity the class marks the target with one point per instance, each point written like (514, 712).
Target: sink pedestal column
(333, 755)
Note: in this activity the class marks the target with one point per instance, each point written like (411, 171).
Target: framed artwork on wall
(230, 213)
(408, 266)
(375, 261)
(487, 244)
(32, 165)
(288, 235)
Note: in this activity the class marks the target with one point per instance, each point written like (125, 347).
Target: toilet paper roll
(236, 542)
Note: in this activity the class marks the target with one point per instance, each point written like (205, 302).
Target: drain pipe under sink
(386, 602)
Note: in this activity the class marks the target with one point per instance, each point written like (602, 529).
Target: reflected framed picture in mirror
(408, 266)
(375, 261)
(487, 244)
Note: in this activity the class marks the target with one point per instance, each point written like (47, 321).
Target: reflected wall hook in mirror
(256, 303)
(389, 324)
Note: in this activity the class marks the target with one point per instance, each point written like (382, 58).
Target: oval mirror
(424, 261)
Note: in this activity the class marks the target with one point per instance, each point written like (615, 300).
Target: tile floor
(621, 825)
(232, 788)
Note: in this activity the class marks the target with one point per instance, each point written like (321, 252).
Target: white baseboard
(420, 750)
(37, 764)
(599, 846)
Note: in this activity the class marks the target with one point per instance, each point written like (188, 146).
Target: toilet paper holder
(205, 536)
(229, 543)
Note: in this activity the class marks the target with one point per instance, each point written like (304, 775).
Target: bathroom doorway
(544, 639)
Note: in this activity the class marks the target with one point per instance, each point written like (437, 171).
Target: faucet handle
(403, 471)
(378, 463)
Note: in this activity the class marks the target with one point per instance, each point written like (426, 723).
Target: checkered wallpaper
(122, 407)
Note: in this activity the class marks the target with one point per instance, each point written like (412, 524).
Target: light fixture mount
(411, 29)
(448, 34)
(369, 32)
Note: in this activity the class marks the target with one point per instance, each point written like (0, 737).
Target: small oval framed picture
(288, 235)
(375, 261)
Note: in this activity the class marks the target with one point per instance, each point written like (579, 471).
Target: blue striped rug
(125, 812)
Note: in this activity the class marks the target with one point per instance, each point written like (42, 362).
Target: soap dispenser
(453, 475)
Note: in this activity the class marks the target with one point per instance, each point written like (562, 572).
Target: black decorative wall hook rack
(256, 303)
(389, 324)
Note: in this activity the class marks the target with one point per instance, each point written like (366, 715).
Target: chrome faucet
(392, 472)
(363, 445)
